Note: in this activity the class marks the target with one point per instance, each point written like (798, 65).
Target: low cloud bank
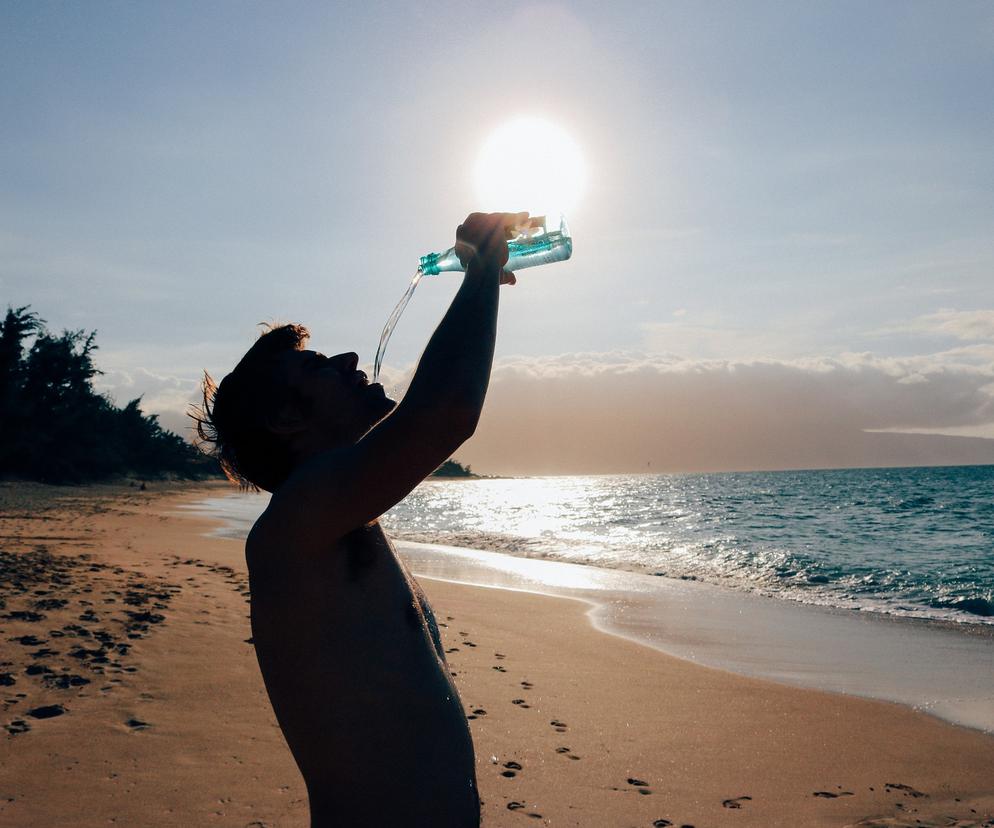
(164, 395)
(974, 325)
(624, 412)
(627, 413)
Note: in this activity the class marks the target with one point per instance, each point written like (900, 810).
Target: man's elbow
(463, 423)
(446, 427)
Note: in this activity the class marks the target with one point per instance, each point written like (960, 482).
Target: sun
(530, 164)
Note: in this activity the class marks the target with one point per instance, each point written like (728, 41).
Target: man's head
(282, 404)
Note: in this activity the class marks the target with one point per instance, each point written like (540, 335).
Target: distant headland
(452, 468)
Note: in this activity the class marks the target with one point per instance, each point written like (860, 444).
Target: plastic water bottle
(534, 245)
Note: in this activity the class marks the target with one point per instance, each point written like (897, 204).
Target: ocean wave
(800, 585)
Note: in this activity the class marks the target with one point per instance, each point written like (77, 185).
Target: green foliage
(55, 428)
(450, 468)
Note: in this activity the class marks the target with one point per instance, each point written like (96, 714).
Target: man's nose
(346, 362)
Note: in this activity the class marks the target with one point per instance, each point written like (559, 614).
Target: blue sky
(801, 184)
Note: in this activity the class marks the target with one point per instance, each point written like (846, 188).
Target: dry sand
(130, 626)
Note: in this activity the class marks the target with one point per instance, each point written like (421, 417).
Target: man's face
(338, 398)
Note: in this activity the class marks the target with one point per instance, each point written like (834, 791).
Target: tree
(56, 428)
(18, 325)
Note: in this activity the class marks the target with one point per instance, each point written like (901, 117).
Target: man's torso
(352, 660)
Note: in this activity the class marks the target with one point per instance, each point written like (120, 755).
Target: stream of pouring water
(529, 244)
(392, 322)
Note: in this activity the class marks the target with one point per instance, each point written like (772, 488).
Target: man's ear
(287, 420)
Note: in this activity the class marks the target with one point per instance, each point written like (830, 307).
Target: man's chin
(383, 406)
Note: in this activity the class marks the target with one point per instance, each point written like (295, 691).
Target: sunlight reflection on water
(903, 541)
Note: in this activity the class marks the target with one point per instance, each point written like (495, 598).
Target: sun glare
(530, 164)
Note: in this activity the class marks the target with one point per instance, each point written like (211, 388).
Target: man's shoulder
(290, 527)
(258, 542)
(273, 532)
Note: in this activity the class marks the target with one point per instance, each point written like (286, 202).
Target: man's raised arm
(341, 489)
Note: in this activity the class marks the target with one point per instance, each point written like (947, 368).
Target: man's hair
(233, 419)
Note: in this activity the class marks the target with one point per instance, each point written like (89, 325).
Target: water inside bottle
(531, 244)
(392, 322)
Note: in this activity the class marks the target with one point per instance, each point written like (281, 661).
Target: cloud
(712, 335)
(587, 413)
(625, 412)
(970, 326)
(162, 394)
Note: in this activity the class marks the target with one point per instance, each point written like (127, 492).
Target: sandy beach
(131, 696)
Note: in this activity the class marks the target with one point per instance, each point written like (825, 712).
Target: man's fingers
(513, 222)
(485, 235)
(508, 278)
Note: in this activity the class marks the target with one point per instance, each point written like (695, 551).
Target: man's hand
(481, 241)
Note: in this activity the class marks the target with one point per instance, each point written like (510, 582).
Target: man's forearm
(454, 371)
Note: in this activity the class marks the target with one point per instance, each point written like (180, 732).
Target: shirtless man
(346, 640)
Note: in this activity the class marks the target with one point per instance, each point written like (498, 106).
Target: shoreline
(941, 670)
(571, 726)
(236, 527)
(867, 654)
(517, 548)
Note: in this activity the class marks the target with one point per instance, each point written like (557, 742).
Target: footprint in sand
(17, 726)
(661, 823)
(25, 615)
(28, 640)
(499, 669)
(47, 711)
(499, 655)
(905, 789)
(512, 769)
(736, 802)
(517, 806)
(527, 685)
(137, 724)
(559, 726)
(832, 794)
(65, 681)
(640, 785)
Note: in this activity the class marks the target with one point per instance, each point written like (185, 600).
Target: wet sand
(130, 695)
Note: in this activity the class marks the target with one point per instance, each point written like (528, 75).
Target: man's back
(350, 655)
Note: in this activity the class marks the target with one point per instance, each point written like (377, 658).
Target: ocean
(909, 541)
(840, 580)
